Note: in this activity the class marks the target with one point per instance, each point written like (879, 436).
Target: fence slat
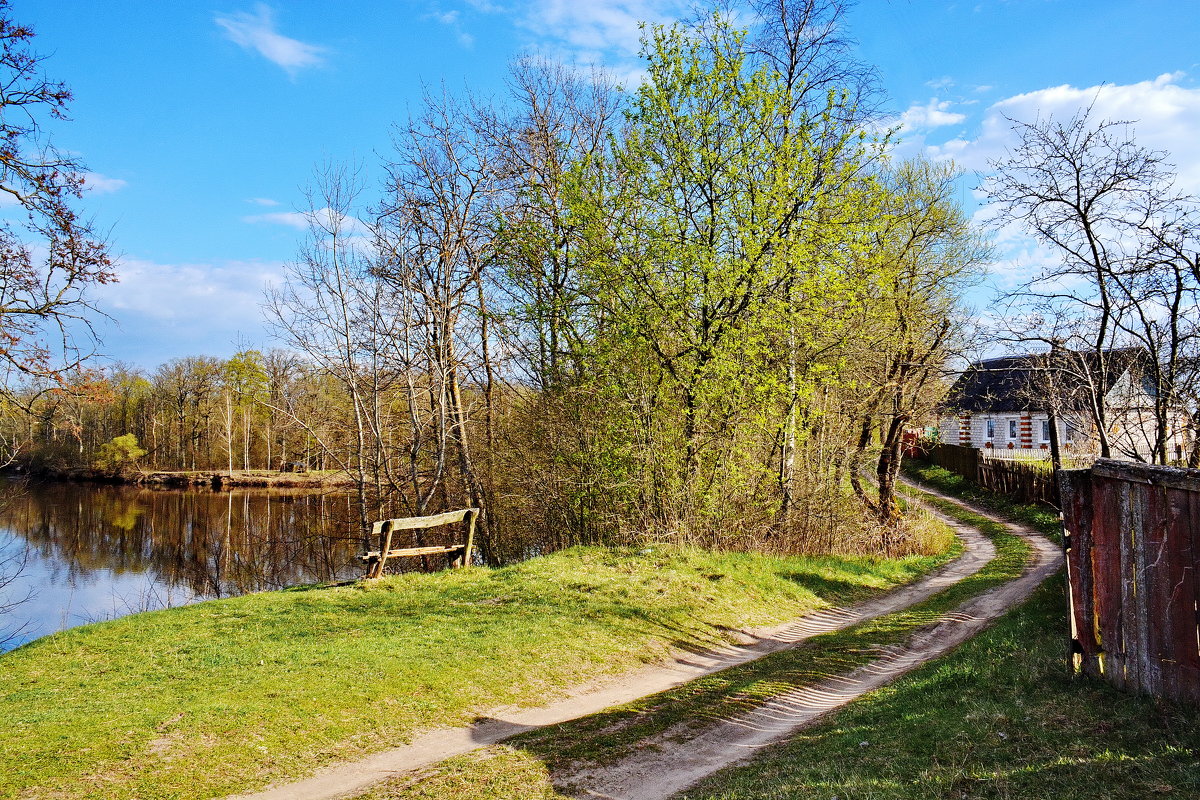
(1158, 623)
(1137, 590)
(1183, 587)
(1076, 488)
(1106, 566)
(1135, 535)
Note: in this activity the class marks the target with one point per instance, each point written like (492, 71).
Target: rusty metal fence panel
(1133, 538)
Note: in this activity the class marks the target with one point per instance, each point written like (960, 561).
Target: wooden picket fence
(1024, 481)
(1133, 542)
(959, 460)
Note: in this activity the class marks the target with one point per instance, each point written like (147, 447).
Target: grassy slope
(526, 765)
(228, 695)
(999, 718)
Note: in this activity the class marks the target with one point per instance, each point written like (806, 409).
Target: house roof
(1022, 382)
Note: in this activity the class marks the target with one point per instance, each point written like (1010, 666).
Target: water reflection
(93, 552)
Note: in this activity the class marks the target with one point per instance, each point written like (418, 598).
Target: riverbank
(230, 695)
(214, 479)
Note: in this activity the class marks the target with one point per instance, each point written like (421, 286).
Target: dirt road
(669, 763)
(650, 774)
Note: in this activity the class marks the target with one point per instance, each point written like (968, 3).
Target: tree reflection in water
(179, 545)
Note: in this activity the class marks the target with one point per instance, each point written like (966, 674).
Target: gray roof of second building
(1011, 383)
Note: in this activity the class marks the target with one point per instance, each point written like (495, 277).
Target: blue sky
(202, 121)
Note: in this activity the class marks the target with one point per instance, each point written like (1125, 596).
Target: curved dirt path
(667, 764)
(720, 747)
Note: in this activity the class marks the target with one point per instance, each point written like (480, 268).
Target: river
(73, 553)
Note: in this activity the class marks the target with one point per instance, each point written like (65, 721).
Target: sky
(201, 122)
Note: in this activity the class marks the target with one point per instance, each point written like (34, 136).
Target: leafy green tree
(245, 384)
(121, 452)
(703, 226)
(923, 254)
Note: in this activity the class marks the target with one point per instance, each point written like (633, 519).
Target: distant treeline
(197, 412)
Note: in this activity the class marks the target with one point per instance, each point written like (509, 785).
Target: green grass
(1041, 518)
(1001, 717)
(528, 763)
(229, 695)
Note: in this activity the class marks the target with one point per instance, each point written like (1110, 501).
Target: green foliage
(246, 376)
(122, 451)
(718, 232)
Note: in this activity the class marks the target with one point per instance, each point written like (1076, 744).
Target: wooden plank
(1128, 584)
(1106, 567)
(420, 523)
(377, 569)
(1141, 522)
(1170, 477)
(467, 550)
(1076, 490)
(414, 551)
(1158, 635)
(1184, 538)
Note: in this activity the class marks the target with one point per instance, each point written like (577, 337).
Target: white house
(1001, 404)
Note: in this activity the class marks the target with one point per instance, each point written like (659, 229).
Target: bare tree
(335, 311)
(435, 239)
(51, 257)
(1126, 275)
(560, 118)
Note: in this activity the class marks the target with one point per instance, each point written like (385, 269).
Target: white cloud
(164, 311)
(263, 201)
(1166, 116)
(302, 220)
(933, 114)
(292, 219)
(256, 31)
(451, 19)
(190, 293)
(102, 184)
(584, 32)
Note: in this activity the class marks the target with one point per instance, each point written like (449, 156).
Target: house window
(1012, 429)
(1045, 430)
(991, 429)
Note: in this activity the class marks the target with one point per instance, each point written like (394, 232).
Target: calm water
(72, 554)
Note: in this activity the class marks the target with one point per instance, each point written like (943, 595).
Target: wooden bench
(376, 560)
